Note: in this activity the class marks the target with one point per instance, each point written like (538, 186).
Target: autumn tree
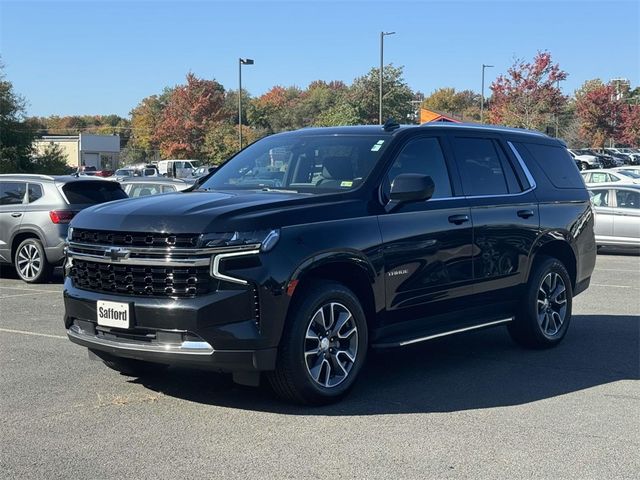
(599, 111)
(528, 95)
(221, 141)
(189, 112)
(630, 125)
(464, 104)
(396, 97)
(276, 110)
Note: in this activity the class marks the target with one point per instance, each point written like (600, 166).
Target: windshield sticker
(346, 183)
(377, 146)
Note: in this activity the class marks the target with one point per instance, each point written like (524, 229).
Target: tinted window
(600, 198)
(12, 193)
(424, 156)
(305, 163)
(168, 188)
(91, 192)
(628, 199)
(35, 192)
(555, 162)
(480, 167)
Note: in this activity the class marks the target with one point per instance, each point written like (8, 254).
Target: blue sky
(95, 57)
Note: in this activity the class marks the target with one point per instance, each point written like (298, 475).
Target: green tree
(16, 134)
(340, 114)
(51, 162)
(464, 104)
(397, 96)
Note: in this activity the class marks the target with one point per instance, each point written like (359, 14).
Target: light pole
(482, 94)
(557, 112)
(382, 35)
(241, 61)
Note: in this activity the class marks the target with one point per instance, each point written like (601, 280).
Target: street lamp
(241, 61)
(382, 35)
(482, 94)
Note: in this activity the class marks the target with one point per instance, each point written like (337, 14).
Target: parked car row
(587, 159)
(617, 208)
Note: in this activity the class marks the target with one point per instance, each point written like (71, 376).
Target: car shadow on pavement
(482, 369)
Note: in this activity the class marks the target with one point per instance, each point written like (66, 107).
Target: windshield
(123, 173)
(630, 173)
(302, 163)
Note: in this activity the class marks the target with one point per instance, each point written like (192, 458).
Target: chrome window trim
(525, 169)
(215, 266)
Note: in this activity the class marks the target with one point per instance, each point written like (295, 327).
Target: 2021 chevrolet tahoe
(308, 248)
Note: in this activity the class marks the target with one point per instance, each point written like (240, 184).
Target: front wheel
(323, 347)
(31, 262)
(545, 313)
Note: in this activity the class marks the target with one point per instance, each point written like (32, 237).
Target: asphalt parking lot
(473, 406)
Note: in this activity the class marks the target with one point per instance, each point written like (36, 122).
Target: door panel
(11, 214)
(626, 225)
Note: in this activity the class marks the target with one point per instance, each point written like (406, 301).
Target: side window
(555, 162)
(12, 193)
(628, 199)
(599, 177)
(586, 177)
(168, 188)
(480, 166)
(613, 178)
(35, 192)
(424, 156)
(600, 198)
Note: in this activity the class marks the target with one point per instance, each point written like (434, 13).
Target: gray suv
(35, 211)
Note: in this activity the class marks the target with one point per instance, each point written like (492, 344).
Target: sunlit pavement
(468, 406)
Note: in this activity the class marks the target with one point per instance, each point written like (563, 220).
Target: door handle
(525, 213)
(458, 219)
(16, 214)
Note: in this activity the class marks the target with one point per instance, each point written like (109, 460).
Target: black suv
(309, 247)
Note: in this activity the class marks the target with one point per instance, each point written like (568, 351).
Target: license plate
(113, 314)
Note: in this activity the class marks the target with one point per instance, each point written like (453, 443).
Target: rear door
(504, 211)
(12, 197)
(626, 221)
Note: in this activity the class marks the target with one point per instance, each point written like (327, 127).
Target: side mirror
(410, 187)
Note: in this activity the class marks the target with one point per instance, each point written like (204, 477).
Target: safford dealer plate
(113, 314)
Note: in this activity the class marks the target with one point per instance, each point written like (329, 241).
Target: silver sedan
(617, 209)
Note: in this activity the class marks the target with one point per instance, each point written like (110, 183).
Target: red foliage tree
(189, 112)
(630, 127)
(599, 111)
(528, 95)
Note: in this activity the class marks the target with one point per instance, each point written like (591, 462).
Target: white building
(100, 151)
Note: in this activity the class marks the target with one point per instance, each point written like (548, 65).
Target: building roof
(427, 116)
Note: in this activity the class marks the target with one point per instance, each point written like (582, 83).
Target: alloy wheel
(331, 345)
(29, 261)
(551, 304)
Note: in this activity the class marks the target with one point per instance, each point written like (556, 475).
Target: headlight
(266, 239)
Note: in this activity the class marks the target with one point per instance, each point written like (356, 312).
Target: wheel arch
(349, 268)
(21, 236)
(557, 245)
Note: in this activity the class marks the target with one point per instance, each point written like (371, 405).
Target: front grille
(134, 239)
(140, 280)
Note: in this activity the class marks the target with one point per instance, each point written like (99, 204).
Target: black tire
(527, 328)
(129, 366)
(292, 380)
(584, 166)
(30, 261)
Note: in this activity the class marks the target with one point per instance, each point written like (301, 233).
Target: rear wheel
(323, 347)
(584, 166)
(545, 313)
(129, 366)
(31, 263)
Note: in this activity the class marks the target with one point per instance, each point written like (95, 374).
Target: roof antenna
(390, 125)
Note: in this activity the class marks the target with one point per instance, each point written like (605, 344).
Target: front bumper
(217, 331)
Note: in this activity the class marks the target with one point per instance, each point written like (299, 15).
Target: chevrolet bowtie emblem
(117, 254)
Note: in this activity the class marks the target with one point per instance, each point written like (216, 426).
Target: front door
(11, 212)
(427, 246)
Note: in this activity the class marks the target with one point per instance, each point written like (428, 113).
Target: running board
(402, 343)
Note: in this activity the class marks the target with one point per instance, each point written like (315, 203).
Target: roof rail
(28, 175)
(479, 126)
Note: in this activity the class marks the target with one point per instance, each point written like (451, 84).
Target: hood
(208, 212)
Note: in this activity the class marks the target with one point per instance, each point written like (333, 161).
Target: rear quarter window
(91, 192)
(555, 162)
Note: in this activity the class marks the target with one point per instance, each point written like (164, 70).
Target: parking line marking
(23, 295)
(35, 334)
(29, 289)
(614, 286)
(612, 270)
